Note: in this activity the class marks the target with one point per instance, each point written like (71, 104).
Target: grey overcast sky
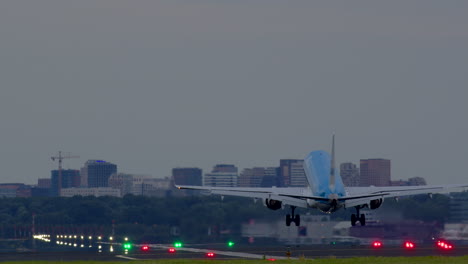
(152, 85)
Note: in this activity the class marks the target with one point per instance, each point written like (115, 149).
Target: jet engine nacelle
(374, 204)
(273, 204)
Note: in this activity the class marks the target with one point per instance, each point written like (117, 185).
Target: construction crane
(60, 158)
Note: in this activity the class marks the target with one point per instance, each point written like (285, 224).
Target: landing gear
(356, 217)
(293, 218)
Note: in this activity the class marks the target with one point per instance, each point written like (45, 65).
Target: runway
(157, 251)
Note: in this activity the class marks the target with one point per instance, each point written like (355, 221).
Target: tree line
(161, 220)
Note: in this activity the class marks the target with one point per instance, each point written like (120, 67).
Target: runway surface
(244, 252)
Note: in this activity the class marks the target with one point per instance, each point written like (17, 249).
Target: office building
(270, 177)
(40, 192)
(44, 183)
(349, 174)
(298, 177)
(222, 175)
(8, 190)
(11, 190)
(285, 172)
(70, 178)
(224, 168)
(24, 191)
(157, 187)
(121, 181)
(258, 177)
(415, 181)
(97, 192)
(140, 184)
(251, 177)
(84, 176)
(375, 172)
(98, 172)
(187, 176)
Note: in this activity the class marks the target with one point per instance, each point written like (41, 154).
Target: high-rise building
(349, 174)
(70, 178)
(285, 171)
(258, 177)
(187, 176)
(222, 175)
(270, 177)
(375, 172)
(298, 177)
(98, 172)
(224, 168)
(251, 177)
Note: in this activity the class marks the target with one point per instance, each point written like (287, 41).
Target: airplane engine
(374, 204)
(273, 204)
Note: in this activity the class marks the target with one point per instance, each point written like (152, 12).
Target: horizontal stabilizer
(317, 198)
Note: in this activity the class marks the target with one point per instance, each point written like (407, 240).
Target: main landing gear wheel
(363, 220)
(293, 218)
(355, 218)
(297, 220)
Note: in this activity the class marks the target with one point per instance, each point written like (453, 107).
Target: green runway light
(177, 244)
(230, 243)
(127, 246)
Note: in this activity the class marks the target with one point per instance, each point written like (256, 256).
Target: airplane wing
(285, 195)
(299, 196)
(396, 191)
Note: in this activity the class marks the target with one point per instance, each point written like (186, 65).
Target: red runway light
(210, 254)
(409, 245)
(444, 245)
(144, 248)
(377, 244)
(171, 250)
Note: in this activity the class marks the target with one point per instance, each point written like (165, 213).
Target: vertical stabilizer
(319, 167)
(332, 166)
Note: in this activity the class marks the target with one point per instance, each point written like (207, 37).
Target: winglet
(332, 165)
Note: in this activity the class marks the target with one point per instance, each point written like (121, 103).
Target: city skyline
(287, 172)
(278, 165)
(160, 84)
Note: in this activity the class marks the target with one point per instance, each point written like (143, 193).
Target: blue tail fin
(320, 172)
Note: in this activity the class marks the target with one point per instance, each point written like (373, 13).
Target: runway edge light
(127, 246)
(144, 248)
(178, 244)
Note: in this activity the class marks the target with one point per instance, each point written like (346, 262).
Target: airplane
(326, 191)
